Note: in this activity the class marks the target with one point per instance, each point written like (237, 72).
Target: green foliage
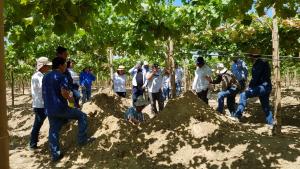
(141, 29)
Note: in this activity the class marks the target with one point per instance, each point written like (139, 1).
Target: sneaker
(236, 119)
(88, 141)
(33, 147)
(57, 159)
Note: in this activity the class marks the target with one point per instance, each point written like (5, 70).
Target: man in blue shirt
(260, 86)
(86, 79)
(56, 96)
(240, 71)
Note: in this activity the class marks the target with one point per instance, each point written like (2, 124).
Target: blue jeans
(166, 93)
(86, 94)
(263, 92)
(58, 120)
(39, 119)
(136, 92)
(178, 88)
(76, 95)
(230, 95)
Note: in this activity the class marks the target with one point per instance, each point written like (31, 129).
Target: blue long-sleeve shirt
(52, 84)
(261, 74)
(86, 79)
(240, 70)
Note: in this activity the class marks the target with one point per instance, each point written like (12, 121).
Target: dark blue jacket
(261, 73)
(54, 102)
(86, 79)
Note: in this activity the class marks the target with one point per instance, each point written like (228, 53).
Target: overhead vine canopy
(141, 27)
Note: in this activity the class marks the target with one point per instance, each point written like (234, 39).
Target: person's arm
(132, 71)
(234, 70)
(150, 75)
(217, 80)
(64, 89)
(245, 68)
(93, 77)
(195, 81)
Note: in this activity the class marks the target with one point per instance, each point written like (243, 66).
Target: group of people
(56, 95)
(56, 92)
(149, 84)
(234, 82)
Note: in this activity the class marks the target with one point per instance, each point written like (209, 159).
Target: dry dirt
(187, 134)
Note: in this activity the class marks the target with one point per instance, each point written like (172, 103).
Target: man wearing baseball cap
(42, 66)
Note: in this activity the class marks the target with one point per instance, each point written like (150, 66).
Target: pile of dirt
(186, 134)
(182, 127)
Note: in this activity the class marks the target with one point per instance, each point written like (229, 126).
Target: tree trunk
(4, 137)
(186, 75)
(171, 66)
(111, 68)
(23, 86)
(12, 85)
(276, 68)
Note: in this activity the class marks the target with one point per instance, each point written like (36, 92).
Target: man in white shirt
(178, 78)
(155, 82)
(201, 83)
(43, 66)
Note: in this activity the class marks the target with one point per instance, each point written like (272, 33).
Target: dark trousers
(76, 95)
(39, 119)
(58, 120)
(243, 84)
(121, 94)
(156, 97)
(86, 95)
(136, 92)
(203, 95)
(230, 95)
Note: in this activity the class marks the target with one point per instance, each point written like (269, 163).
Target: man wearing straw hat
(230, 87)
(120, 82)
(42, 66)
(259, 86)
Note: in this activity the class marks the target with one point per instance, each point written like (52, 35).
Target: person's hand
(65, 93)
(208, 79)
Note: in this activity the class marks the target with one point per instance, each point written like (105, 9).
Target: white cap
(221, 68)
(42, 61)
(121, 67)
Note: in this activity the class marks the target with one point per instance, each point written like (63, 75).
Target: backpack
(229, 80)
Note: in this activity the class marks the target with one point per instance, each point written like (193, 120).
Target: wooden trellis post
(4, 137)
(276, 68)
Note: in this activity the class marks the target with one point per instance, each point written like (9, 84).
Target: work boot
(87, 141)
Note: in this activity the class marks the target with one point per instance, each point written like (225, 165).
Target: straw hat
(221, 68)
(140, 101)
(121, 67)
(42, 61)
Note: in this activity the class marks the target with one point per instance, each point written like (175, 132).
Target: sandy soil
(187, 134)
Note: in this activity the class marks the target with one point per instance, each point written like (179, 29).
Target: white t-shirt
(36, 90)
(166, 82)
(178, 74)
(75, 76)
(155, 84)
(200, 83)
(119, 83)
